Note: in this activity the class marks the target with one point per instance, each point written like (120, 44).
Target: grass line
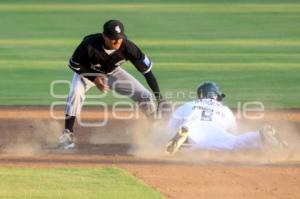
(157, 42)
(43, 64)
(110, 182)
(157, 7)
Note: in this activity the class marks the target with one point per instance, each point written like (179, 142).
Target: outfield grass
(252, 49)
(21, 183)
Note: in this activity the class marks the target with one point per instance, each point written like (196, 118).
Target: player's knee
(147, 108)
(76, 96)
(143, 96)
(145, 102)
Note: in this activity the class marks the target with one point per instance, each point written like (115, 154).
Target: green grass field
(252, 49)
(72, 183)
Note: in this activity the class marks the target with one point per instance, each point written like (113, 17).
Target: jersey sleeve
(138, 58)
(79, 61)
(80, 54)
(174, 123)
(179, 117)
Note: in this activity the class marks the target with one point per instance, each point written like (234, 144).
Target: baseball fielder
(207, 124)
(97, 62)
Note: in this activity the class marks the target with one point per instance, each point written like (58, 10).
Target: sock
(69, 122)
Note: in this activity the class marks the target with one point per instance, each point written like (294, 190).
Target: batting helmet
(209, 90)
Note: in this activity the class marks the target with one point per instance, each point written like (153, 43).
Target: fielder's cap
(114, 29)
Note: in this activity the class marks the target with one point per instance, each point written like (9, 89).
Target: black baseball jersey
(91, 57)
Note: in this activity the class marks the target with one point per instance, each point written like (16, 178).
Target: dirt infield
(28, 134)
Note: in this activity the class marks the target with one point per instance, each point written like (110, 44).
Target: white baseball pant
(120, 81)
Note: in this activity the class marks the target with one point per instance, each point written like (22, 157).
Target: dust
(116, 133)
(31, 138)
(148, 138)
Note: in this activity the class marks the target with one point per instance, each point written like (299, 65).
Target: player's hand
(101, 83)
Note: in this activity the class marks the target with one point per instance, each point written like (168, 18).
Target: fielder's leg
(125, 84)
(76, 97)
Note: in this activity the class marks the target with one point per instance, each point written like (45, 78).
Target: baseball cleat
(271, 139)
(66, 140)
(176, 142)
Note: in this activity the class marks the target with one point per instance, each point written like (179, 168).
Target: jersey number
(206, 115)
